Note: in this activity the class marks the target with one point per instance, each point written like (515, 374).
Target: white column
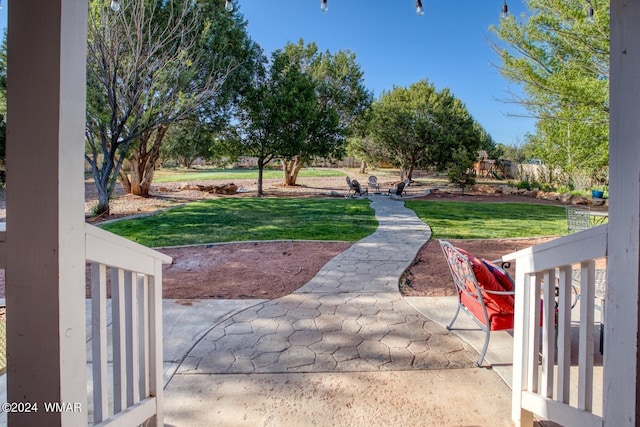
(621, 356)
(45, 275)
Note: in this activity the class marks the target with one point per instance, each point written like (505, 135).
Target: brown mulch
(271, 270)
(244, 270)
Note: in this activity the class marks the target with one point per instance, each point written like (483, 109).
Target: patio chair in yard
(578, 218)
(400, 188)
(485, 292)
(373, 183)
(354, 186)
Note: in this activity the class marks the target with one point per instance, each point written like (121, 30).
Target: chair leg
(485, 347)
(455, 316)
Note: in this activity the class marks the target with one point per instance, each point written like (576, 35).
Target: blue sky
(448, 45)
(3, 15)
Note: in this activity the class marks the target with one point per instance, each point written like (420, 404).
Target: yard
(273, 269)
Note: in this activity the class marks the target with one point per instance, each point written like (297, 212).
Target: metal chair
(372, 184)
(490, 309)
(400, 188)
(354, 186)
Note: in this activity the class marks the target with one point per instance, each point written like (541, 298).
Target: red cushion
(486, 280)
(498, 321)
(501, 274)
(503, 278)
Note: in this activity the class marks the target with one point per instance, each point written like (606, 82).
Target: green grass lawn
(181, 174)
(228, 220)
(475, 220)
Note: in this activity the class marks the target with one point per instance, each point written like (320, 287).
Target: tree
(342, 98)
(149, 66)
(360, 144)
(460, 167)
(302, 107)
(187, 141)
(278, 114)
(222, 49)
(363, 148)
(562, 63)
(420, 126)
(517, 153)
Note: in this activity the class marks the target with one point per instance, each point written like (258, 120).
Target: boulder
(225, 189)
(551, 195)
(207, 188)
(565, 198)
(578, 200)
(509, 190)
(597, 202)
(484, 188)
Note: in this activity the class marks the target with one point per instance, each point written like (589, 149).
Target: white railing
(131, 391)
(543, 383)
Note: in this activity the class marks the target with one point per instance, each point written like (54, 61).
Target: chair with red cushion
(480, 293)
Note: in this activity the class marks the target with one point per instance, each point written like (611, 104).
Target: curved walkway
(349, 318)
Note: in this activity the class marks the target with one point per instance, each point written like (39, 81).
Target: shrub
(460, 169)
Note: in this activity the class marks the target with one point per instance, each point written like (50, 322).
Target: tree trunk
(124, 180)
(103, 202)
(290, 169)
(260, 173)
(103, 185)
(363, 167)
(286, 171)
(403, 172)
(143, 162)
(410, 172)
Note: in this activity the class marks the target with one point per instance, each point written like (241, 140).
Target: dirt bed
(244, 270)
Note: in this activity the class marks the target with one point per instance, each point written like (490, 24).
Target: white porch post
(45, 274)
(621, 319)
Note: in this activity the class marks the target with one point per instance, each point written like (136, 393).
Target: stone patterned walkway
(349, 318)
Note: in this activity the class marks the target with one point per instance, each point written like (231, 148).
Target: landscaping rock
(206, 188)
(565, 198)
(509, 190)
(224, 189)
(578, 200)
(551, 195)
(483, 188)
(597, 202)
